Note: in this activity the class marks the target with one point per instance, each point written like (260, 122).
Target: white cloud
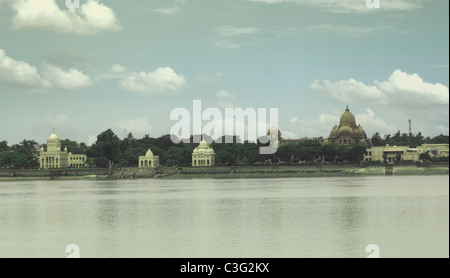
(350, 91)
(225, 95)
(91, 18)
(18, 73)
(408, 91)
(209, 80)
(227, 35)
(352, 6)
(371, 123)
(67, 80)
(230, 31)
(348, 31)
(225, 99)
(91, 140)
(442, 129)
(445, 66)
(160, 81)
(138, 126)
(118, 69)
(61, 123)
(411, 90)
(171, 10)
(228, 44)
(168, 11)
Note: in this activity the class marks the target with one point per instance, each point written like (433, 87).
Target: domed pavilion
(149, 160)
(203, 155)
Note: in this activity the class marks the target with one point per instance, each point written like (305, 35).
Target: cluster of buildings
(347, 133)
(55, 157)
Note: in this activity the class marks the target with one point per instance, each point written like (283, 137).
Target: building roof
(149, 153)
(203, 147)
(347, 119)
(53, 136)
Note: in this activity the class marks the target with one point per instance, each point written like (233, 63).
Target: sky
(126, 65)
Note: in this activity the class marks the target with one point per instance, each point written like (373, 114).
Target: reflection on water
(300, 217)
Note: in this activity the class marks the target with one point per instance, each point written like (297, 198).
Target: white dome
(203, 143)
(53, 136)
(149, 153)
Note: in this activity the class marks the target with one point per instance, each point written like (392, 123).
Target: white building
(54, 157)
(405, 153)
(149, 160)
(203, 155)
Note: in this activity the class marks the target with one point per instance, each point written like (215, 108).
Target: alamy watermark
(73, 250)
(373, 4)
(374, 251)
(234, 124)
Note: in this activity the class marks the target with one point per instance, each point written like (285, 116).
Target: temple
(54, 157)
(149, 160)
(203, 155)
(347, 133)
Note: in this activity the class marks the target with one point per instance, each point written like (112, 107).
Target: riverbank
(220, 172)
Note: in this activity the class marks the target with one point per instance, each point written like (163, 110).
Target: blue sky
(128, 64)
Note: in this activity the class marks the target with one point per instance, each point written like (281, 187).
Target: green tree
(101, 162)
(286, 153)
(329, 152)
(179, 156)
(107, 146)
(342, 154)
(7, 159)
(72, 146)
(3, 146)
(356, 153)
(224, 157)
(425, 156)
(308, 150)
(377, 140)
(20, 156)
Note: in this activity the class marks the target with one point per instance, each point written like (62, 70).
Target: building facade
(149, 160)
(347, 133)
(54, 157)
(203, 155)
(404, 153)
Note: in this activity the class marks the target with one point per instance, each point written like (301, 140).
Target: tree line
(109, 149)
(407, 139)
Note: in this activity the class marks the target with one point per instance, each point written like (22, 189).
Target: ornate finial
(53, 130)
(346, 109)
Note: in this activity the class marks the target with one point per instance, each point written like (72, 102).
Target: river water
(405, 216)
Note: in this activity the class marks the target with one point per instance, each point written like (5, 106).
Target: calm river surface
(405, 216)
